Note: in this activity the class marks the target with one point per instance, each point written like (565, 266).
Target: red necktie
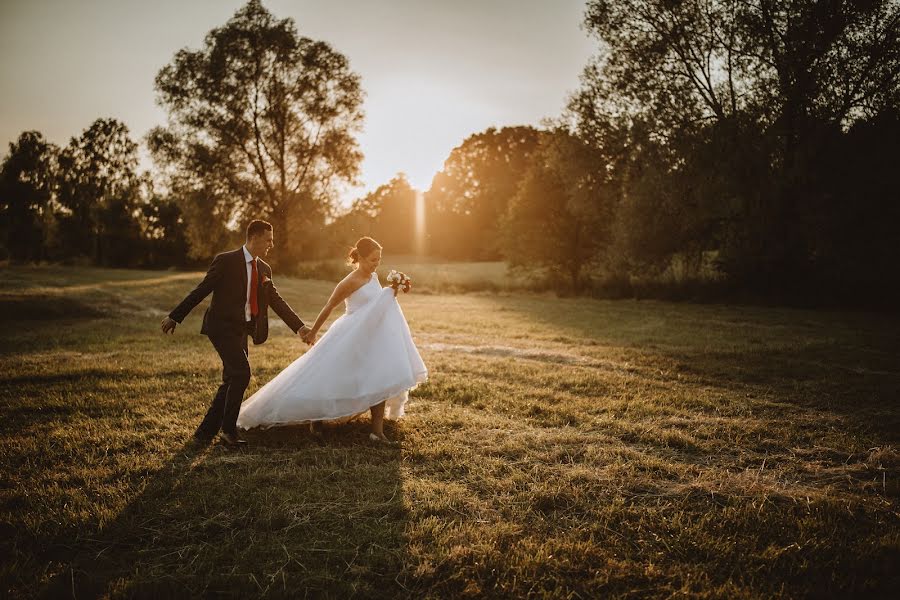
(254, 282)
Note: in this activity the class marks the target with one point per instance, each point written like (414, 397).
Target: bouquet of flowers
(399, 280)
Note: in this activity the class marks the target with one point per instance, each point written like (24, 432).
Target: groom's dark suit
(226, 325)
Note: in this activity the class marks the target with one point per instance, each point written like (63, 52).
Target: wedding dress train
(367, 356)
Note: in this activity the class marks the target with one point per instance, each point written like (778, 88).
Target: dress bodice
(363, 295)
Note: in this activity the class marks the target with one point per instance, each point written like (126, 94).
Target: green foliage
(855, 240)
(261, 125)
(562, 448)
(99, 188)
(163, 229)
(724, 124)
(674, 63)
(469, 196)
(556, 223)
(86, 203)
(388, 215)
(395, 223)
(27, 224)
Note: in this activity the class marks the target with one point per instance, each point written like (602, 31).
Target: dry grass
(562, 448)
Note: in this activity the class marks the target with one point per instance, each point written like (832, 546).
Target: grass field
(564, 448)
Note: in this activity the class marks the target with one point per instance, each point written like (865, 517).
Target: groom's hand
(304, 332)
(168, 325)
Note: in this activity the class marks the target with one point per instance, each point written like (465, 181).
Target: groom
(242, 291)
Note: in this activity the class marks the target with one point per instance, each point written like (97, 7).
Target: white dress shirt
(248, 258)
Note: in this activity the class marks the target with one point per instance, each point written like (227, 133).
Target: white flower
(398, 278)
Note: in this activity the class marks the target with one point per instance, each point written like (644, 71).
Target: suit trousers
(226, 405)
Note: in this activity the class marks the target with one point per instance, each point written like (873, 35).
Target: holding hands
(307, 334)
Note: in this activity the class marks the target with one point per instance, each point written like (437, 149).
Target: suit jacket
(226, 279)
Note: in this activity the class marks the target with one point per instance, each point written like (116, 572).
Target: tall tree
(558, 222)
(163, 229)
(677, 63)
(262, 124)
(26, 186)
(100, 189)
(470, 194)
(388, 214)
(395, 221)
(822, 65)
(719, 72)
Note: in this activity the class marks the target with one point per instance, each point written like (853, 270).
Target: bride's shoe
(381, 440)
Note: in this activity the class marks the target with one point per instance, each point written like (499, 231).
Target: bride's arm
(341, 292)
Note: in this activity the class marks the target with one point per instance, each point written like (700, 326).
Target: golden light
(419, 245)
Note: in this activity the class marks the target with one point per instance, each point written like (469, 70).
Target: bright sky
(434, 71)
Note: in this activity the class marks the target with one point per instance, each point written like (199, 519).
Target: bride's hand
(307, 334)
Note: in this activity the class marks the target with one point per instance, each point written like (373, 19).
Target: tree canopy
(470, 194)
(262, 124)
(26, 187)
(729, 116)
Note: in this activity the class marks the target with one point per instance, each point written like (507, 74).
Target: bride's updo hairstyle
(364, 247)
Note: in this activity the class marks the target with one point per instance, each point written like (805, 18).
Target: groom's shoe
(231, 439)
(201, 438)
(199, 441)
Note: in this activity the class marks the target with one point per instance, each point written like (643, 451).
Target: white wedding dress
(367, 356)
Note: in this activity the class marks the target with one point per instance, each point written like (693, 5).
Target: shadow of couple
(290, 514)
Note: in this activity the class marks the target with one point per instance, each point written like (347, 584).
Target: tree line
(750, 144)
(759, 134)
(86, 202)
(746, 144)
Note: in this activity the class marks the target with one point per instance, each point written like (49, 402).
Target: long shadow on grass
(289, 516)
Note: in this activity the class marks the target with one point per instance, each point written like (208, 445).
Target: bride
(365, 361)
